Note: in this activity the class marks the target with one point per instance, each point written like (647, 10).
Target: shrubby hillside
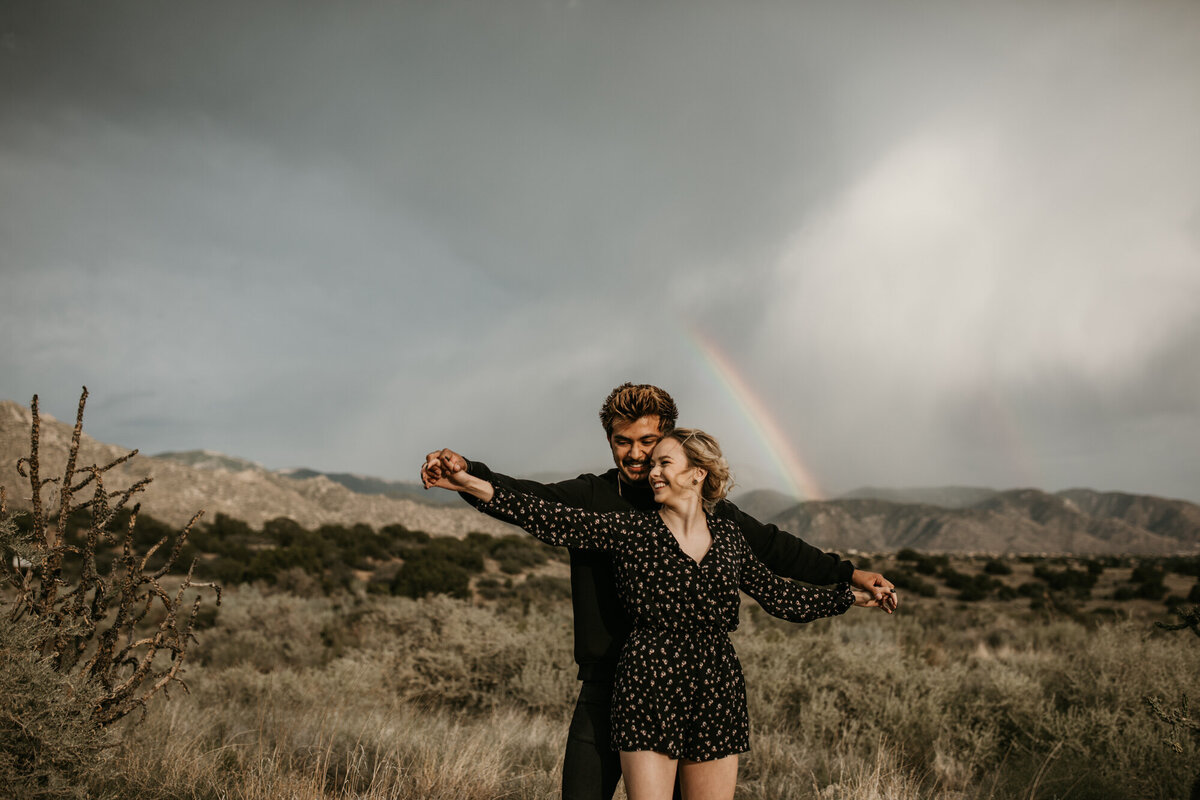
(236, 488)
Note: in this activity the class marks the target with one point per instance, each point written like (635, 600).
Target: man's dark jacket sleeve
(576, 493)
(785, 554)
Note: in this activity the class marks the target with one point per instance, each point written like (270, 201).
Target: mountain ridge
(252, 495)
(1078, 521)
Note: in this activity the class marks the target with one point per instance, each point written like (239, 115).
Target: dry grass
(393, 698)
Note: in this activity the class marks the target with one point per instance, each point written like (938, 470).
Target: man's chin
(635, 477)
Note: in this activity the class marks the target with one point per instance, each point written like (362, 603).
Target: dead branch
(95, 628)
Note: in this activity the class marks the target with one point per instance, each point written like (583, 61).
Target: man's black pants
(591, 768)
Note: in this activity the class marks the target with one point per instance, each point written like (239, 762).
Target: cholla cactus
(1180, 718)
(97, 629)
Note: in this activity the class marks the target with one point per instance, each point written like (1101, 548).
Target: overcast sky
(932, 242)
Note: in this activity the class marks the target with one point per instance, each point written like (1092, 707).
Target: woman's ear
(699, 475)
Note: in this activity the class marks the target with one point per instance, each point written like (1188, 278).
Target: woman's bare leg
(648, 775)
(708, 780)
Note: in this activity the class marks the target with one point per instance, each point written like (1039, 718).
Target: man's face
(631, 442)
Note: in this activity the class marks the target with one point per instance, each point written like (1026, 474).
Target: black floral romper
(679, 687)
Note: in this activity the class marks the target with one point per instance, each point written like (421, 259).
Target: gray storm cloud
(940, 243)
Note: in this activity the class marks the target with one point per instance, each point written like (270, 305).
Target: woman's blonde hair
(703, 451)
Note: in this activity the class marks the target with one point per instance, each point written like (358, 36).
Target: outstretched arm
(577, 493)
(785, 599)
(792, 557)
(553, 523)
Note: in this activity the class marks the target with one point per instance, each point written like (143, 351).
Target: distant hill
(359, 484)
(944, 496)
(962, 520)
(365, 484)
(764, 503)
(223, 484)
(1016, 521)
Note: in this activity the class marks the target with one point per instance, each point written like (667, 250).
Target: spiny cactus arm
(1189, 619)
(170, 637)
(180, 541)
(93, 469)
(126, 595)
(1180, 720)
(65, 495)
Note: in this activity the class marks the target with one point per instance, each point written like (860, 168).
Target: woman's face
(671, 477)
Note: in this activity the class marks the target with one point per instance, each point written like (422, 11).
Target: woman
(679, 702)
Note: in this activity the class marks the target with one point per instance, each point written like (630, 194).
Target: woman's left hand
(867, 600)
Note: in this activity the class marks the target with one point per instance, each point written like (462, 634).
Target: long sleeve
(577, 492)
(786, 554)
(785, 599)
(555, 523)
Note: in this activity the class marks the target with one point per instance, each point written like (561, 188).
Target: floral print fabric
(679, 687)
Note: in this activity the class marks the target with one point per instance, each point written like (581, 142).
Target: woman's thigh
(708, 780)
(648, 775)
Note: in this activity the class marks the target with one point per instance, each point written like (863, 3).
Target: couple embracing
(658, 556)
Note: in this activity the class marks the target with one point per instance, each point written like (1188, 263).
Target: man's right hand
(438, 463)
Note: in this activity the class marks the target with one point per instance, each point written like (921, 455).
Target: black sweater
(601, 624)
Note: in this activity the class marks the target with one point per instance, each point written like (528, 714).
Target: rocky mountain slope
(1017, 521)
(222, 485)
(968, 520)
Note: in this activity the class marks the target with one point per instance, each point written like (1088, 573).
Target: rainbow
(774, 441)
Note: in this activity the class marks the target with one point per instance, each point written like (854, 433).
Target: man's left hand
(879, 587)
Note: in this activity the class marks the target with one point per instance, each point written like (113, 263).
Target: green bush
(1077, 582)
(428, 574)
(994, 567)
(398, 533)
(517, 554)
(906, 581)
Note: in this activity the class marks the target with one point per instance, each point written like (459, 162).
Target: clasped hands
(446, 469)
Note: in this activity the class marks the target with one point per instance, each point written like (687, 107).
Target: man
(635, 417)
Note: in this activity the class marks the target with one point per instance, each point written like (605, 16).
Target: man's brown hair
(633, 401)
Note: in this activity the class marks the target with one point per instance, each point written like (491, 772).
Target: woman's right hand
(446, 469)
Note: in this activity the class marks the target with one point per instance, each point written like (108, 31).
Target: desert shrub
(1150, 591)
(490, 588)
(1194, 594)
(1184, 565)
(974, 592)
(908, 582)
(460, 552)
(517, 554)
(1124, 593)
(931, 565)
(537, 591)
(355, 545)
(908, 554)
(995, 567)
(225, 527)
(426, 573)
(958, 580)
(1146, 572)
(398, 533)
(1077, 582)
(49, 742)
